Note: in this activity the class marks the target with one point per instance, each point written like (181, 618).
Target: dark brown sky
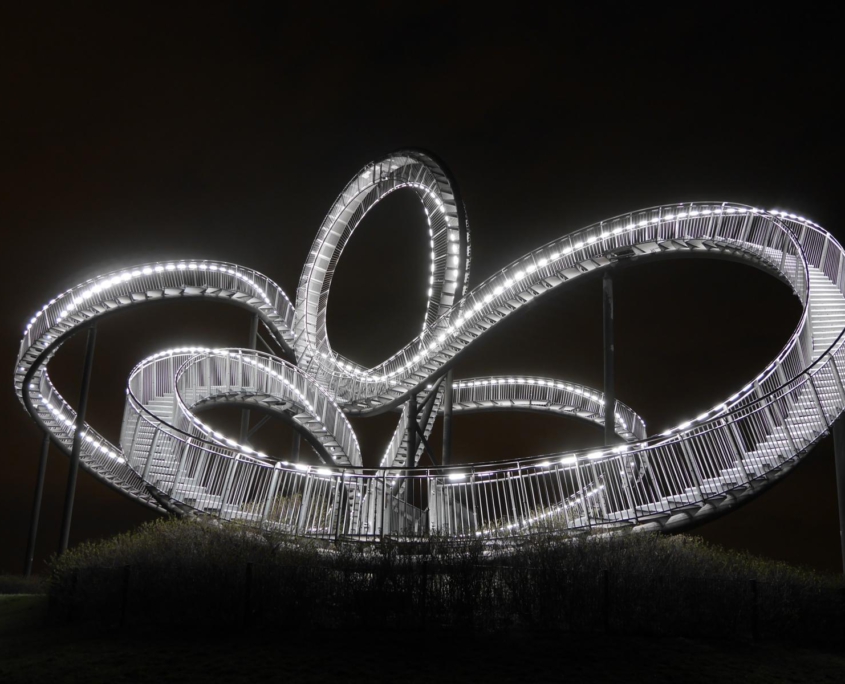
(130, 133)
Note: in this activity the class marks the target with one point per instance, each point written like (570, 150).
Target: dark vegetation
(17, 584)
(196, 574)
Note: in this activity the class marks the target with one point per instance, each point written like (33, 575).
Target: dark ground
(31, 652)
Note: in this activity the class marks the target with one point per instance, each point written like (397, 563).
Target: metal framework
(169, 459)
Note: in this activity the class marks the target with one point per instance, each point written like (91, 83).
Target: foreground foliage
(201, 574)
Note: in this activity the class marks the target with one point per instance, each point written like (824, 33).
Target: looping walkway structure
(169, 459)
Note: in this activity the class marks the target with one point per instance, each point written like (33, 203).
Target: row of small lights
(452, 248)
(210, 432)
(463, 384)
(565, 461)
(58, 414)
(425, 351)
(530, 521)
(530, 268)
(331, 218)
(219, 437)
(707, 415)
(104, 283)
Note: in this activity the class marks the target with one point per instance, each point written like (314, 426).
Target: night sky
(135, 133)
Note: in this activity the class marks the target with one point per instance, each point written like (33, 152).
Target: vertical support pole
(383, 527)
(271, 494)
(227, 483)
(446, 459)
(36, 504)
(76, 449)
(609, 380)
(839, 458)
(253, 343)
(294, 448)
(410, 462)
(340, 506)
(305, 503)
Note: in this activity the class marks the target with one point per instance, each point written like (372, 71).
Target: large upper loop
(448, 240)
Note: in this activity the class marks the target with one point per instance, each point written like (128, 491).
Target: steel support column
(446, 458)
(410, 462)
(36, 504)
(294, 447)
(839, 458)
(70, 492)
(253, 344)
(609, 380)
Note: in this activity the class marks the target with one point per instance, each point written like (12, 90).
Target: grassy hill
(194, 601)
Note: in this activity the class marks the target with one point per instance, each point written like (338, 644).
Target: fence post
(424, 597)
(842, 604)
(605, 579)
(247, 592)
(74, 581)
(124, 598)
(755, 628)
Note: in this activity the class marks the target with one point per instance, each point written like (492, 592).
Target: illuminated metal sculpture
(171, 460)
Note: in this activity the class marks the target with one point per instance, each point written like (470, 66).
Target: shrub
(205, 575)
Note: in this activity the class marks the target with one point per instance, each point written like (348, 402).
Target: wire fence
(419, 596)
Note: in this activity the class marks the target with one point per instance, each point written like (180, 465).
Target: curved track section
(169, 458)
(543, 395)
(448, 239)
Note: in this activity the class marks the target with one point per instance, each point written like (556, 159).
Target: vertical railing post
(305, 503)
(76, 449)
(736, 439)
(692, 467)
(824, 253)
(271, 493)
(472, 487)
(36, 504)
(227, 483)
(339, 507)
(580, 482)
(383, 502)
(180, 468)
(818, 401)
(150, 453)
(838, 380)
